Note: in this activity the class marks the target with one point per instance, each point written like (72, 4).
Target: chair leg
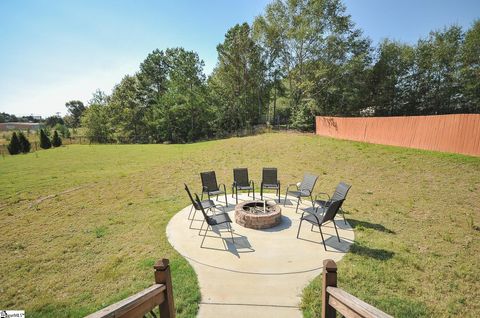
(279, 201)
(261, 193)
(311, 230)
(299, 226)
(313, 203)
(323, 240)
(236, 195)
(298, 202)
(338, 237)
(226, 202)
(254, 191)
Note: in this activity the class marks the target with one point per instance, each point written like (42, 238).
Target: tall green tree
(75, 109)
(323, 56)
(153, 77)
(184, 103)
(391, 80)
(238, 82)
(96, 121)
(470, 70)
(127, 111)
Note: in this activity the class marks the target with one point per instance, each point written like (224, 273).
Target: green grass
(415, 213)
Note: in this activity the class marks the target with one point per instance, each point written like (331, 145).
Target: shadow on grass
(379, 254)
(367, 225)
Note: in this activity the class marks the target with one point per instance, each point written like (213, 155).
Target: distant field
(415, 213)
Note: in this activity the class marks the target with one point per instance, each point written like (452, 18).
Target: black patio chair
(210, 185)
(208, 205)
(213, 220)
(304, 190)
(327, 214)
(270, 181)
(340, 193)
(242, 183)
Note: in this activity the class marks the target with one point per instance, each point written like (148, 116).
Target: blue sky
(55, 51)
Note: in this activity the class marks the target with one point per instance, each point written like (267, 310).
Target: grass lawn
(416, 216)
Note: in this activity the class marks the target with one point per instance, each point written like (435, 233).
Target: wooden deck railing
(160, 294)
(335, 299)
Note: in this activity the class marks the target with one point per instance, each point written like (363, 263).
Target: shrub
(63, 130)
(56, 140)
(24, 143)
(14, 147)
(44, 140)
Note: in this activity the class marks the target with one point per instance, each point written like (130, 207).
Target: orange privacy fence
(451, 133)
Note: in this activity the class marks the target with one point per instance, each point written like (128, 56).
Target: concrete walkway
(263, 272)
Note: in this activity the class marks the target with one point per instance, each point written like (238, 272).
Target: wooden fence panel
(458, 133)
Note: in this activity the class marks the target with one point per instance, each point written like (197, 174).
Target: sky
(55, 51)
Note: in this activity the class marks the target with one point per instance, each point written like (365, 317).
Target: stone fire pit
(255, 215)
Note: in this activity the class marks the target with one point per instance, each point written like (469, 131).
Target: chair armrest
(218, 207)
(291, 185)
(224, 188)
(316, 197)
(204, 189)
(309, 192)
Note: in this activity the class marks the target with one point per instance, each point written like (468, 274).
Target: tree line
(298, 59)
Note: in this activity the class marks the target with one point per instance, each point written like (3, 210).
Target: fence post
(329, 279)
(163, 276)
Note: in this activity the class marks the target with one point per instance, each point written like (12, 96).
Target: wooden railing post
(329, 279)
(163, 276)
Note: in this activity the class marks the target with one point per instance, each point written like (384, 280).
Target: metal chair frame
(270, 181)
(208, 205)
(340, 193)
(242, 182)
(210, 185)
(213, 220)
(329, 216)
(304, 190)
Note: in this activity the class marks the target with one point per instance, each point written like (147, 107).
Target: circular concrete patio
(262, 272)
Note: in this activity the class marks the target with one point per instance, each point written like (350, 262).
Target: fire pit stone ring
(255, 215)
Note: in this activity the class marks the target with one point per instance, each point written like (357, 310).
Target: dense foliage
(6, 118)
(56, 140)
(45, 142)
(25, 145)
(300, 58)
(14, 147)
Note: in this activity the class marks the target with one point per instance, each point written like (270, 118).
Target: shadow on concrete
(240, 243)
(285, 224)
(332, 243)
